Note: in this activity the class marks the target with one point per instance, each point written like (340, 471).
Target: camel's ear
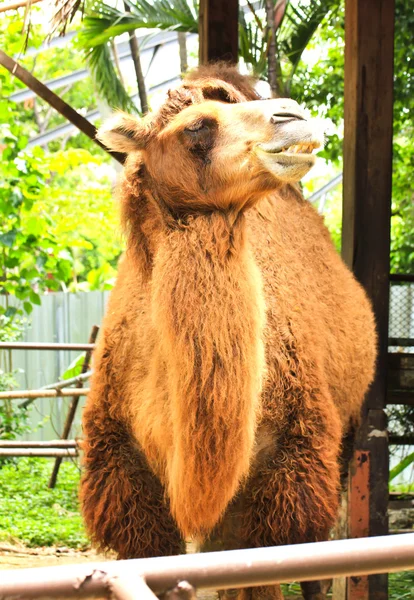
(124, 133)
(215, 89)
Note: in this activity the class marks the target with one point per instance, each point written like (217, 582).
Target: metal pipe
(71, 78)
(326, 188)
(43, 346)
(46, 452)
(403, 342)
(219, 570)
(43, 393)
(402, 277)
(130, 588)
(58, 386)
(36, 444)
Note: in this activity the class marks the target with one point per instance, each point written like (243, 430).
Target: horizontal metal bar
(130, 587)
(14, 394)
(44, 346)
(60, 130)
(45, 452)
(81, 74)
(402, 277)
(405, 342)
(219, 570)
(326, 188)
(57, 42)
(401, 440)
(38, 444)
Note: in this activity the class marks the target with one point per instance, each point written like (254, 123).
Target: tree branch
(54, 100)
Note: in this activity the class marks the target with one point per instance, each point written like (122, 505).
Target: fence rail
(140, 579)
(40, 452)
(44, 346)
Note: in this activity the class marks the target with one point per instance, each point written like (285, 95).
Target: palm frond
(252, 46)
(180, 15)
(300, 21)
(104, 22)
(106, 80)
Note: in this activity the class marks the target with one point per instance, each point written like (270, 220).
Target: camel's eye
(196, 127)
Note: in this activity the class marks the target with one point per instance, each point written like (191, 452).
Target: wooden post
(218, 28)
(369, 43)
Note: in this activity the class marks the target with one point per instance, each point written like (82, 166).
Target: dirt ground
(21, 557)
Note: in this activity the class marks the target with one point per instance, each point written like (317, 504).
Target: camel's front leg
(123, 502)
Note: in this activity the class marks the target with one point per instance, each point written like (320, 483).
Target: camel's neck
(208, 308)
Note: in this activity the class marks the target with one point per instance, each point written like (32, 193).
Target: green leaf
(8, 238)
(34, 225)
(27, 307)
(22, 292)
(75, 367)
(10, 312)
(34, 298)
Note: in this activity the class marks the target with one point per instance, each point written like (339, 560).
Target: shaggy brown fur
(237, 347)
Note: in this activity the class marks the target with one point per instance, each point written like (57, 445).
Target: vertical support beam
(369, 43)
(218, 29)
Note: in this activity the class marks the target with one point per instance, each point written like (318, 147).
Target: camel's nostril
(283, 117)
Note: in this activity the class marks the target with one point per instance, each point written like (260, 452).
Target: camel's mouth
(288, 161)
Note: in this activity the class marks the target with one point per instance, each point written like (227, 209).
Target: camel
(237, 347)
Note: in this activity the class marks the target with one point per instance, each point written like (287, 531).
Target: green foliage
(48, 201)
(32, 260)
(35, 515)
(13, 418)
(103, 23)
(107, 81)
(401, 585)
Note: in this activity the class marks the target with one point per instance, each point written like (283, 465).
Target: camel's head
(208, 148)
